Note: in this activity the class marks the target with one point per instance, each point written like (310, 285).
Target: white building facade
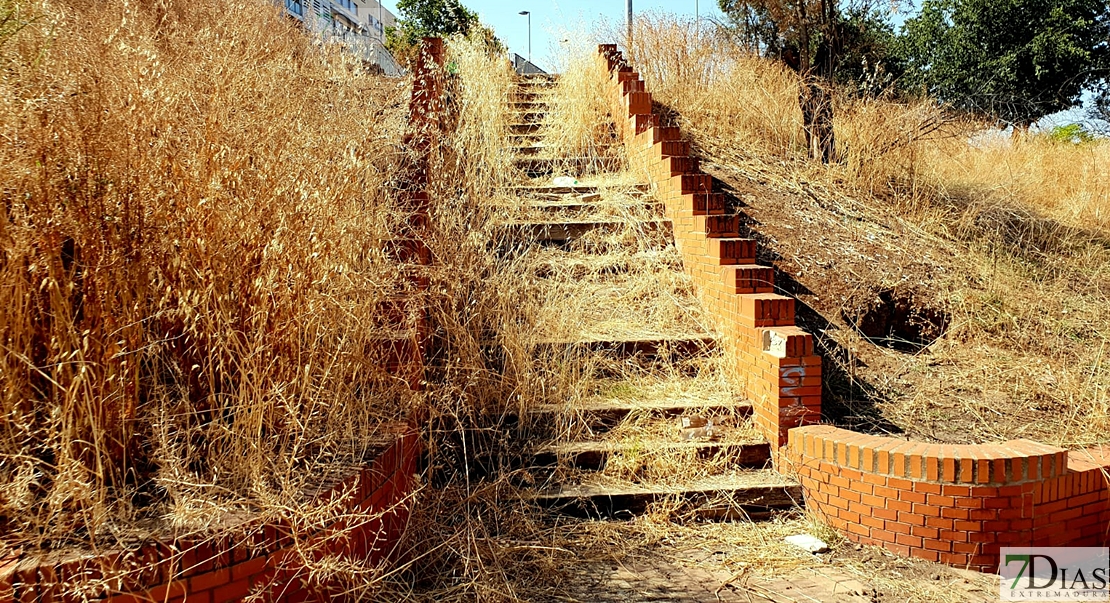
(358, 24)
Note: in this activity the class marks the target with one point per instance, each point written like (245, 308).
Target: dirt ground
(742, 563)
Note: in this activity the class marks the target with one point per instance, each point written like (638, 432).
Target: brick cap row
(1011, 462)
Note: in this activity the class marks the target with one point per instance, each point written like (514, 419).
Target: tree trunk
(817, 119)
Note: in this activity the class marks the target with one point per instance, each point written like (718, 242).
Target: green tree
(824, 41)
(1012, 60)
(426, 18)
(1099, 109)
(868, 59)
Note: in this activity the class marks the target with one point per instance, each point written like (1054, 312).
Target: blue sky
(552, 18)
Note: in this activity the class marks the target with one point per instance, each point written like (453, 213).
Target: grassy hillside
(194, 198)
(1002, 243)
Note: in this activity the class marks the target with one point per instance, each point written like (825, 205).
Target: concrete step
(527, 150)
(593, 456)
(581, 205)
(521, 128)
(562, 233)
(579, 166)
(538, 80)
(528, 117)
(531, 104)
(642, 346)
(530, 139)
(534, 147)
(743, 495)
(531, 95)
(549, 191)
(612, 356)
(597, 262)
(599, 415)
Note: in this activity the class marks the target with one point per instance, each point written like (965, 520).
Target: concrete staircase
(652, 423)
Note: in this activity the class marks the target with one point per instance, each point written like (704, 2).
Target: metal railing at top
(366, 47)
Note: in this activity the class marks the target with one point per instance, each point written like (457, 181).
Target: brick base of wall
(263, 559)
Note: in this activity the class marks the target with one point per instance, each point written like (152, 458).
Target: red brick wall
(254, 558)
(952, 504)
(773, 358)
(402, 355)
(955, 504)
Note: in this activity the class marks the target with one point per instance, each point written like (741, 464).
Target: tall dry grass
(745, 108)
(1016, 226)
(195, 199)
(506, 312)
(1066, 182)
(578, 123)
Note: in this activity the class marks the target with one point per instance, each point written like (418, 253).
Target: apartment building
(359, 25)
(343, 17)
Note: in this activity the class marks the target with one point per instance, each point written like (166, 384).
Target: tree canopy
(1013, 60)
(427, 18)
(824, 41)
(845, 41)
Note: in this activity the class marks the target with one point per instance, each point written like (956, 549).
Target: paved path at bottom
(696, 574)
(652, 580)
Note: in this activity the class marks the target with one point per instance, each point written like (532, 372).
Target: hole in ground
(897, 320)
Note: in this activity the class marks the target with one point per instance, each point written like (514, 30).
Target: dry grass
(475, 537)
(193, 276)
(1007, 235)
(194, 206)
(508, 316)
(1065, 182)
(911, 154)
(578, 122)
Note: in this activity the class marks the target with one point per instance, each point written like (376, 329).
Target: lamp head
(524, 12)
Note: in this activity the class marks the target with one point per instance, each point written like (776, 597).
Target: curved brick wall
(953, 504)
(956, 504)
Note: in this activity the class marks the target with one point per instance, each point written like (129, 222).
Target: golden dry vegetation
(195, 205)
(195, 200)
(1006, 237)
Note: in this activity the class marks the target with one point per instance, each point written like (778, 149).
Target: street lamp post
(628, 5)
(529, 15)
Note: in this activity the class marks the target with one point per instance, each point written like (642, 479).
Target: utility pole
(381, 23)
(629, 43)
(697, 24)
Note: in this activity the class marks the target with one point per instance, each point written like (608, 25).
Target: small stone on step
(808, 543)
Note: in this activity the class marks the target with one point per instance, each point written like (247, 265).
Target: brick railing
(773, 358)
(370, 511)
(952, 504)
